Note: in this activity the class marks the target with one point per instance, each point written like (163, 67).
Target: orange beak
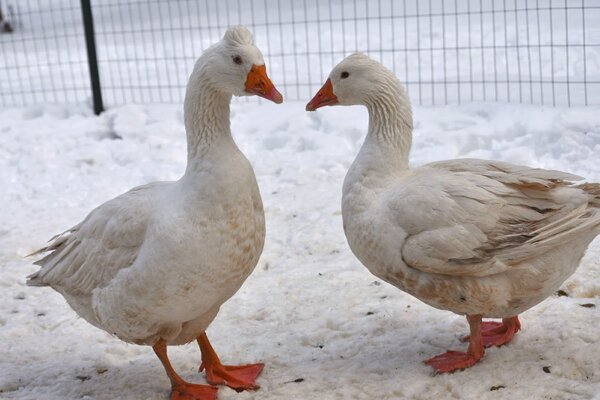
(258, 83)
(324, 97)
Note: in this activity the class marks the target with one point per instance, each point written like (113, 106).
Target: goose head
(356, 80)
(235, 66)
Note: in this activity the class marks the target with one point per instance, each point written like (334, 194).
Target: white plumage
(156, 263)
(479, 238)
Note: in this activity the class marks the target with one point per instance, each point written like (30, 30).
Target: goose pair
(479, 238)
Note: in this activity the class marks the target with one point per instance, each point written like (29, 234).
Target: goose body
(153, 265)
(475, 237)
(470, 236)
(159, 260)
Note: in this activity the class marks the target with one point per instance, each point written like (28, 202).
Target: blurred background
(445, 52)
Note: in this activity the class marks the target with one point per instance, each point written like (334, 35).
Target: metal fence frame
(491, 50)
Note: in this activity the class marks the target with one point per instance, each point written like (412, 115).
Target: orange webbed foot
(180, 389)
(237, 377)
(498, 333)
(190, 391)
(452, 360)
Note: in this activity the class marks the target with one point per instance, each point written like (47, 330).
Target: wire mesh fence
(444, 51)
(43, 60)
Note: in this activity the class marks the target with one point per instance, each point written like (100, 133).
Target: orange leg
(237, 377)
(498, 334)
(452, 360)
(180, 389)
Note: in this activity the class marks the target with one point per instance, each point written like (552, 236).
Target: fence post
(90, 41)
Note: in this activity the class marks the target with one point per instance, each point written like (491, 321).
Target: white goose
(479, 238)
(153, 266)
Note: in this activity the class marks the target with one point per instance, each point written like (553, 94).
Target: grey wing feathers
(92, 252)
(530, 211)
(508, 173)
(59, 246)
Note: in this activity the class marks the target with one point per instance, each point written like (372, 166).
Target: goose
(483, 239)
(153, 265)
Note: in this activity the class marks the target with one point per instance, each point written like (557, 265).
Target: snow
(323, 325)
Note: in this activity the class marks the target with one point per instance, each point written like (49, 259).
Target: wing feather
(91, 253)
(490, 216)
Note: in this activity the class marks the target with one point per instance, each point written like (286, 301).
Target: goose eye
(345, 74)
(237, 60)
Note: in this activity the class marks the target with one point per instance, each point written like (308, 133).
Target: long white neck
(384, 154)
(206, 116)
(390, 124)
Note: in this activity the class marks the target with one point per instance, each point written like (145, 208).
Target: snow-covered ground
(323, 325)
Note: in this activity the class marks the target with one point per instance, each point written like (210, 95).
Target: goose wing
(479, 218)
(91, 253)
